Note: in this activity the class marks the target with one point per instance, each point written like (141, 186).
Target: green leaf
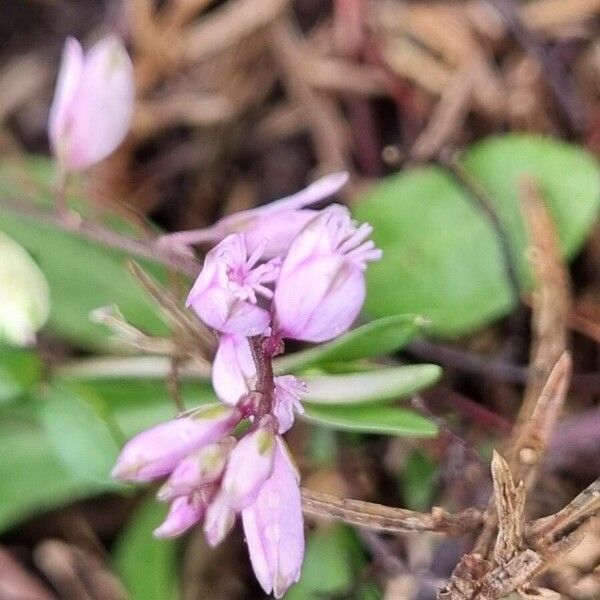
(441, 255)
(75, 422)
(32, 479)
(148, 567)
(417, 481)
(82, 276)
(333, 557)
(377, 338)
(370, 386)
(20, 370)
(368, 418)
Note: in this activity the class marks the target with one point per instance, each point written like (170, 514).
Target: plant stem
(265, 383)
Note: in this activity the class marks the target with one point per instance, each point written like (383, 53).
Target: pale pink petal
(102, 106)
(183, 514)
(288, 392)
(156, 451)
(274, 527)
(220, 518)
(69, 74)
(233, 370)
(250, 465)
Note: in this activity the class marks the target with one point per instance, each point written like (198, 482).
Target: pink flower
(274, 527)
(233, 370)
(279, 221)
(197, 469)
(184, 513)
(226, 292)
(288, 391)
(249, 466)
(93, 103)
(155, 452)
(220, 518)
(321, 285)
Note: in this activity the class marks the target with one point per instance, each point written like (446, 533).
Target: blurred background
(436, 109)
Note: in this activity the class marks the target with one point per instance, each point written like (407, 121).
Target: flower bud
(24, 294)
(203, 466)
(219, 520)
(184, 513)
(274, 527)
(156, 451)
(321, 285)
(93, 103)
(250, 465)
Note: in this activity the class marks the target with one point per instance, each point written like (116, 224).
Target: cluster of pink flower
(283, 271)
(309, 285)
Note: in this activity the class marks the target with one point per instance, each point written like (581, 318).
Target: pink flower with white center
(155, 452)
(184, 513)
(226, 292)
(93, 103)
(288, 392)
(274, 527)
(321, 286)
(279, 221)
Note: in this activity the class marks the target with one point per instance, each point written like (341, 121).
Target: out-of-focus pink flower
(93, 103)
(233, 370)
(321, 285)
(219, 520)
(288, 392)
(250, 465)
(274, 527)
(279, 221)
(155, 452)
(184, 513)
(197, 469)
(226, 292)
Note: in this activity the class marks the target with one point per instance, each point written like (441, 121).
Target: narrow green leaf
(370, 386)
(368, 418)
(148, 567)
(417, 481)
(76, 425)
(377, 338)
(20, 370)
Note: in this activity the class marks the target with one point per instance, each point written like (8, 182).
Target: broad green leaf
(147, 567)
(20, 370)
(32, 479)
(377, 338)
(333, 559)
(75, 422)
(417, 481)
(441, 255)
(82, 276)
(370, 386)
(24, 294)
(369, 418)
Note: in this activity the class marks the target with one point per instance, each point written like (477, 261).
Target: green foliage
(417, 481)
(148, 567)
(82, 275)
(368, 418)
(376, 385)
(20, 370)
(377, 338)
(442, 257)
